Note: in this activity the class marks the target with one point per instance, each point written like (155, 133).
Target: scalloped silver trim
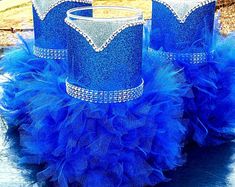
(110, 39)
(96, 96)
(192, 58)
(57, 54)
(42, 15)
(183, 18)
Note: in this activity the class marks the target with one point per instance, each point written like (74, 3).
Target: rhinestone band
(192, 58)
(185, 16)
(96, 96)
(58, 54)
(43, 14)
(109, 40)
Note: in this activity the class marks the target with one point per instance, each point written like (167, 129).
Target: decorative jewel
(104, 32)
(182, 10)
(43, 7)
(96, 96)
(192, 58)
(58, 54)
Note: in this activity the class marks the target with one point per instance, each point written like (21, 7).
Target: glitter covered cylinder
(50, 29)
(105, 54)
(183, 29)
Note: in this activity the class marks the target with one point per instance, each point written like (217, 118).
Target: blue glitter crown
(104, 56)
(49, 27)
(183, 30)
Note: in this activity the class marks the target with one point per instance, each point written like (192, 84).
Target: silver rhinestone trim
(57, 54)
(42, 15)
(192, 58)
(110, 39)
(185, 16)
(95, 96)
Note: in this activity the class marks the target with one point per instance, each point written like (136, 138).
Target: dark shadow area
(14, 153)
(205, 167)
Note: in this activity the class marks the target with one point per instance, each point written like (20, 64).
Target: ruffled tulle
(211, 113)
(209, 108)
(18, 69)
(126, 144)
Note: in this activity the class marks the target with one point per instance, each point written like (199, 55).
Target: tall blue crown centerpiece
(105, 62)
(183, 30)
(106, 121)
(183, 33)
(49, 27)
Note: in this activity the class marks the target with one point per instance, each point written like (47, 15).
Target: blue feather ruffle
(89, 144)
(125, 144)
(19, 68)
(209, 106)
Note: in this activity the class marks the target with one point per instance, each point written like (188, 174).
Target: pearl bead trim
(110, 39)
(42, 14)
(57, 54)
(184, 18)
(95, 96)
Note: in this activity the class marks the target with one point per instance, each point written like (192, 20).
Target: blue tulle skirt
(80, 143)
(126, 144)
(211, 113)
(209, 106)
(19, 69)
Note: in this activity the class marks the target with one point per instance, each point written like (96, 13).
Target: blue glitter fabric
(79, 143)
(209, 107)
(117, 67)
(50, 33)
(194, 35)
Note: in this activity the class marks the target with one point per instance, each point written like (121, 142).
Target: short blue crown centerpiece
(183, 30)
(50, 29)
(105, 54)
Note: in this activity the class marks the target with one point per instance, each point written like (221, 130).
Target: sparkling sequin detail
(43, 7)
(58, 54)
(192, 58)
(182, 10)
(104, 32)
(96, 96)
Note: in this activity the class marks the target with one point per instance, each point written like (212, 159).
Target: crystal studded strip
(57, 54)
(110, 38)
(182, 10)
(95, 96)
(42, 11)
(192, 58)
